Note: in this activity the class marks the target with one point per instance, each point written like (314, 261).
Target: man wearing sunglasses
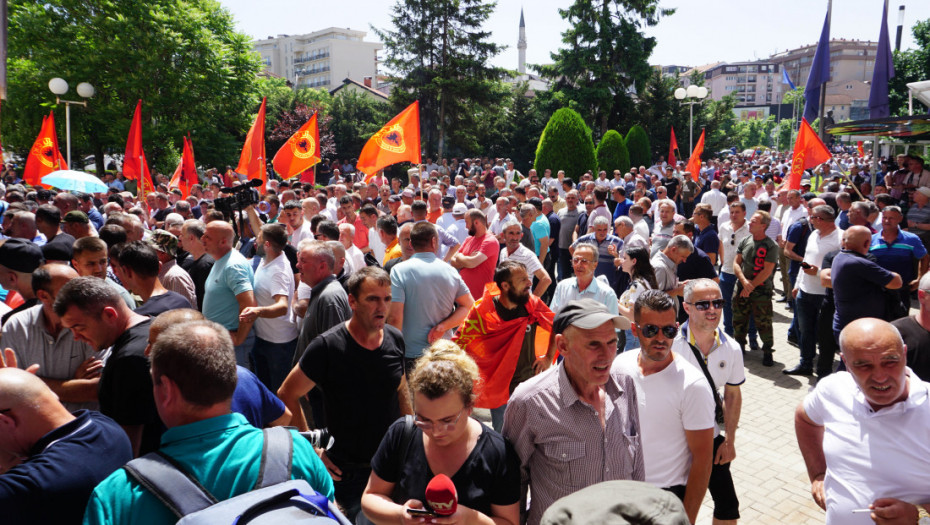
(675, 401)
(702, 339)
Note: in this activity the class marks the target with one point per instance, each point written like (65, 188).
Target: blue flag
(820, 73)
(883, 72)
(785, 79)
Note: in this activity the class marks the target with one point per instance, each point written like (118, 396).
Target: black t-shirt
(126, 386)
(917, 339)
(489, 476)
(527, 357)
(162, 303)
(359, 389)
(161, 214)
(199, 269)
(671, 184)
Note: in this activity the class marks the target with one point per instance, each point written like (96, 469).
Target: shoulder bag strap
(170, 483)
(718, 403)
(277, 457)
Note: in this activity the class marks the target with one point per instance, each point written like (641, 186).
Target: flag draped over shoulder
(809, 151)
(135, 166)
(397, 141)
(495, 344)
(44, 157)
(882, 73)
(185, 176)
(820, 73)
(300, 152)
(694, 162)
(252, 159)
(672, 146)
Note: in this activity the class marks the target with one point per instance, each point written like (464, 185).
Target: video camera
(241, 197)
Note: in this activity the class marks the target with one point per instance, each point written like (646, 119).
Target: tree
(912, 65)
(183, 58)
(605, 54)
(290, 121)
(718, 119)
(439, 55)
(612, 154)
(355, 118)
(637, 143)
(658, 112)
(566, 144)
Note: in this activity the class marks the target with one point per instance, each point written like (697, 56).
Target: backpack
(275, 498)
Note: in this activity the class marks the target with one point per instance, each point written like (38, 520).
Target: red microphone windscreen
(441, 495)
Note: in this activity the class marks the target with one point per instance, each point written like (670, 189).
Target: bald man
(863, 432)
(858, 282)
(228, 289)
(71, 368)
(48, 474)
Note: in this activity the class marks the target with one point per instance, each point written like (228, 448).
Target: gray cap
(617, 502)
(586, 314)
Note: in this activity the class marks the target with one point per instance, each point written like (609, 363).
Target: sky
(729, 31)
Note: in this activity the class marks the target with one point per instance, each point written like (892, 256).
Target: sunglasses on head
(705, 305)
(651, 330)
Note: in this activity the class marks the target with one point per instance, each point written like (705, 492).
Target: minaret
(521, 45)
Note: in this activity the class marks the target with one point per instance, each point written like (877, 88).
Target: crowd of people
(604, 322)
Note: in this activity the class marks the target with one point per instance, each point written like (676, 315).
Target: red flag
(809, 151)
(397, 141)
(135, 166)
(44, 157)
(185, 176)
(859, 147)
(694, 162)
(300, 152)
(671, 150)
(252, 159)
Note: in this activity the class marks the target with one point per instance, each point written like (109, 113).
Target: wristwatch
(923, 517)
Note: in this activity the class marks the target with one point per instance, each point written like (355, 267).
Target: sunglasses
(705, 305)
(651, 330)
(732, 239)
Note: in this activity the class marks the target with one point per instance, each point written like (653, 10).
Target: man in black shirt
(139, 266)
(915, 330)
(359, 364)
(18, 259)
(94, 311)
(199, 262)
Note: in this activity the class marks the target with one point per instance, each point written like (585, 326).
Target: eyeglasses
(581, 260)
(651, 330)
(446, 426)
(589, 202)
(705, 305)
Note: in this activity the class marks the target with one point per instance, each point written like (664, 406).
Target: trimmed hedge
(612, 154)
(566, 144)
(637, 144)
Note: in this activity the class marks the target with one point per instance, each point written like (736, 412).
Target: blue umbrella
(75, 181)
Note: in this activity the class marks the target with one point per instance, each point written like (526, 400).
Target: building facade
(321, 59)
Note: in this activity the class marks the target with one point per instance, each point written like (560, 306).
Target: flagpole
(823, 89)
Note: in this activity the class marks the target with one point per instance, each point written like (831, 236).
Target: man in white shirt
(862, 433)
(732, 233)
(293, 217)
(716, 198)
(513, 249)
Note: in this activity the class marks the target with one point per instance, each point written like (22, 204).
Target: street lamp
(58, 87)
(693, 92)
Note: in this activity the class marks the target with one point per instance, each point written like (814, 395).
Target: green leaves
(566, 144)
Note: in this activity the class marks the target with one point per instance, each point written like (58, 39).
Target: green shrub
(612, 154)
(637, 144)
(566, 144)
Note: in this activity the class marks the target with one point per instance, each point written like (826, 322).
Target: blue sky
(730, 30)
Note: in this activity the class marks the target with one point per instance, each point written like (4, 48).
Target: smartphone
(806, 266)
(421, 512)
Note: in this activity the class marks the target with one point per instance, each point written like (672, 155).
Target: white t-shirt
(791, 216)
(716, 199)
(729, 241)
(670, 402)
(271, 279)
(374, 242)
(871, 455)
(817, 247)
(304, 232)
(522, 255)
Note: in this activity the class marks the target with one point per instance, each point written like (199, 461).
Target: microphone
(441, 495)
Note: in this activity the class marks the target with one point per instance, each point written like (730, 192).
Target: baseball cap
(408, 193)
(617, 502)
(76, 216)
(163, 241)
(586, 314)
(21, 255)
(459, 209)
(923, 190)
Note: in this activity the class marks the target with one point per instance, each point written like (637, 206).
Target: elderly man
(194, 376)
(665, 263)
(514, 250)
(675, 401)
(49, 484)
(664, 227)
(576, 424)
(705, 345)
(228, 290)
(862, 432)
(608, 248)
(172, 276)
(755, 273)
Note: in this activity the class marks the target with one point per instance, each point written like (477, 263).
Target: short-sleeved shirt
(230, 276)
(917, 339)
(707, 240)
(569, 219)
(605, 261)
(599, 290)
(899, 255)
(475, 278)
(199, 270)
(158, 304)
(858, 288)
(818, 246)
(729, 240)
(541, 230)
(359, 389)
(126, 386)
(272, 279)
(666, 271)
(755, 255)
(489, 476)
(253, 400)
(523, 255)
(422, 311)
